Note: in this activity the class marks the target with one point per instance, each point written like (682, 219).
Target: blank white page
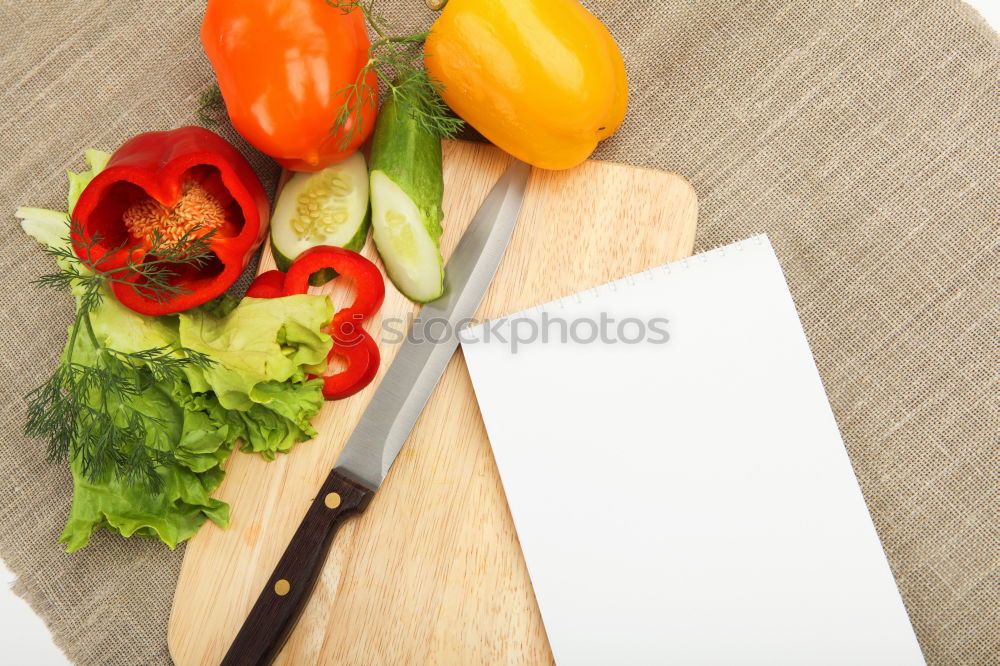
(688, 501)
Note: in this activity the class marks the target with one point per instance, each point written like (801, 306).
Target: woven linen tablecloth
(861, 135)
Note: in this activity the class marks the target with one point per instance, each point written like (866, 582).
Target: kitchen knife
(386, 422)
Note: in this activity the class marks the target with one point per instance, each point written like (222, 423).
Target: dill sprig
(211, 106)
(395, 59)
(87, 410)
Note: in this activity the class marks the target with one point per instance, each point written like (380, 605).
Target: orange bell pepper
(282, 67)
(542, 79)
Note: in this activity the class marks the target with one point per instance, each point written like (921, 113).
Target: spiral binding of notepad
(650, 274)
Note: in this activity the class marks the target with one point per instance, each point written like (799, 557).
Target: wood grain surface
(432, 571)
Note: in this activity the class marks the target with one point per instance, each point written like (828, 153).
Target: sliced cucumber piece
(406, 192)
(410, 254)
(328, 207)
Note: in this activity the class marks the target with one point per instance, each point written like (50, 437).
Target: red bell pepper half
(173, 182)
(350, 341)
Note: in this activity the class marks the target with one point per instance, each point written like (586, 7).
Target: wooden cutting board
(432, 571)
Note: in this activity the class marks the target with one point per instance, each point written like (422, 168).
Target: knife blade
(386, 423)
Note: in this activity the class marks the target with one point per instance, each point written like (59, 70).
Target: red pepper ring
(374, 360)
(369, 285)
(362, 364)
(354, 344)
(346, 327)
(350, 342)
(267, 285)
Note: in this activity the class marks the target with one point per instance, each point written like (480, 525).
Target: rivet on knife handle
(273, 616)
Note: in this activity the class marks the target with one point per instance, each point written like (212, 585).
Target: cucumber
(328, 207)
(406, 192)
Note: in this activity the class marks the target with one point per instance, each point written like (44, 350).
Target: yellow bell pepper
(542, 79)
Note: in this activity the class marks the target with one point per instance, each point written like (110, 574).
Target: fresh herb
(211, 106)
(395, 59)
(86, 408)
(261, 403)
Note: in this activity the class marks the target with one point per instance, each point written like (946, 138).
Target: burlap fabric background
(861, 135)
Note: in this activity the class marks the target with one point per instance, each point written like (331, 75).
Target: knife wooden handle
(279, 604)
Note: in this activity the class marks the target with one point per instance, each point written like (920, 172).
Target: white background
(25, 639)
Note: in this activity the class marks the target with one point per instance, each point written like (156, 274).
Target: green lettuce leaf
(96, 160)
(255, 395)
(48, 227)
(261, 340)
(283, 418)
(267, 405)
(173, 514)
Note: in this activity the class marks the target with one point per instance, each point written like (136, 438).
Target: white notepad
(687, 500)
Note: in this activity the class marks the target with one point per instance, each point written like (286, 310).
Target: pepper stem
(436, 5)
